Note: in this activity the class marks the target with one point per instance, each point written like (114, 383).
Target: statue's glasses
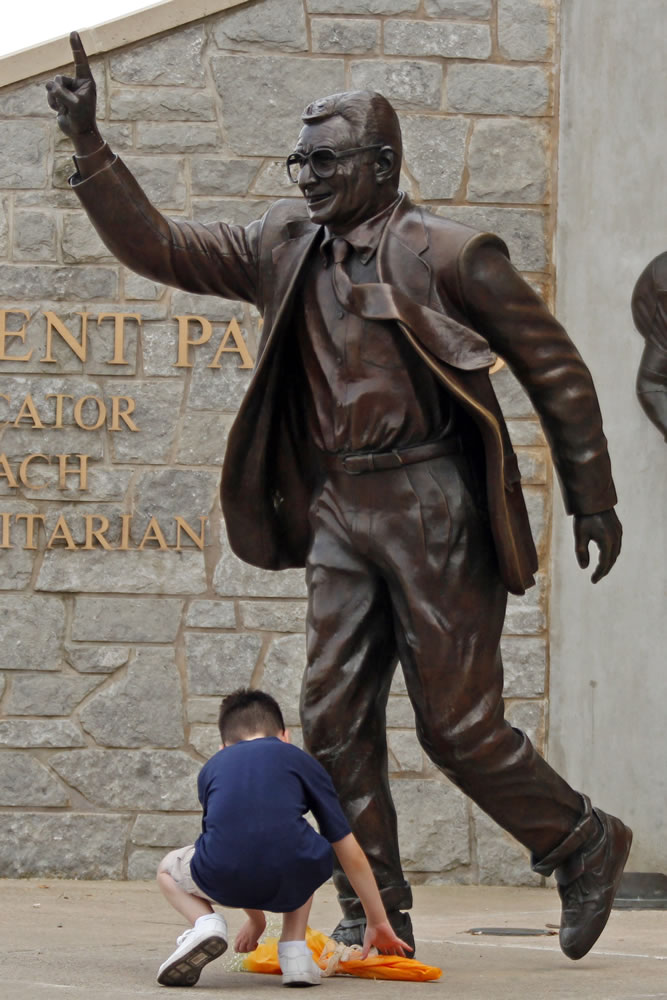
(323, 162)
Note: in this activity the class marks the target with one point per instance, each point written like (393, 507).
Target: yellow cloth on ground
(337, 959)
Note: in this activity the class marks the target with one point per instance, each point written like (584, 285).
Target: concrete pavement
(105, 941)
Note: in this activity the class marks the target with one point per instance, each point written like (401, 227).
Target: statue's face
(353, 193)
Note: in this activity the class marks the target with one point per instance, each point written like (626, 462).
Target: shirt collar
(364, 238)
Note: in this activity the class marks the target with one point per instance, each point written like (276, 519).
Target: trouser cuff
(587, 829)
(394, 897)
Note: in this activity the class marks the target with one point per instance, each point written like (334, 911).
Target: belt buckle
(356, 465)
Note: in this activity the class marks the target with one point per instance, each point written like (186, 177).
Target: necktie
(341, 283)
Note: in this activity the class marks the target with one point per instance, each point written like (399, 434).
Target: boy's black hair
(246, 712)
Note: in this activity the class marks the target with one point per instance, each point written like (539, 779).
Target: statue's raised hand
(75, 98)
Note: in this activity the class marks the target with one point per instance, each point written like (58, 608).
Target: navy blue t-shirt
(256, 849)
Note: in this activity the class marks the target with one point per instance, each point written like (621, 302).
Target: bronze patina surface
(383, 465)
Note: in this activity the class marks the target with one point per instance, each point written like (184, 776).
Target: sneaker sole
(187, 969)
(301, 982)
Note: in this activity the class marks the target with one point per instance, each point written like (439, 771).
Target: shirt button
(341, 314)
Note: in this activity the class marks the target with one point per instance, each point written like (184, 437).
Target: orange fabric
(265, 959)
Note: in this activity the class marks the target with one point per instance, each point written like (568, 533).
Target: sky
(30, 22)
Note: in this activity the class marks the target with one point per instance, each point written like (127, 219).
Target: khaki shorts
(177, 864)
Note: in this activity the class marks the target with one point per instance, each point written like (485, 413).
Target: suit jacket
(462, 300)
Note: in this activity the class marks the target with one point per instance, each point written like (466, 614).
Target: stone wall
(120, 629)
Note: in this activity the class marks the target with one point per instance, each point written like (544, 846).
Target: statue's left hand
(606, 531)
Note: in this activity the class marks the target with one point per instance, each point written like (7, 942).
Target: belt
(378, 461)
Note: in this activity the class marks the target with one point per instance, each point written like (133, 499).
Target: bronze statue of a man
(649, 311)
(370, 448)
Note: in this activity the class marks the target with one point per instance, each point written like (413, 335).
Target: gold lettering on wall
(5, 333)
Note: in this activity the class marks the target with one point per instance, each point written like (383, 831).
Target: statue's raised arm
(75, 99)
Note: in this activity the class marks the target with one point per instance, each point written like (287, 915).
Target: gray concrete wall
(608, 642)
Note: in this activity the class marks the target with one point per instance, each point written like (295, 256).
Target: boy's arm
(379, 931)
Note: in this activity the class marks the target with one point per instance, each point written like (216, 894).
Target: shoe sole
(186, 970)
(301, 982)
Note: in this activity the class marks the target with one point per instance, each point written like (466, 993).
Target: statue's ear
(385, 164)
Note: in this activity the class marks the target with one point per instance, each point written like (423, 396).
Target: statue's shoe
(351, 932)
(587, 884)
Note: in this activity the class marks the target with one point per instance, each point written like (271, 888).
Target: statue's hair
(370, 114)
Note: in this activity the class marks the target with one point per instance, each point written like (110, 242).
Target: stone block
(174, 60)
(492, 89)
(400, 713)
(449, 40)
(205, 740)
(215, 176)
(248, 86)
(432, 824)
(522, 229)
(97, 659)
(4, 230)
(405, 752)
(203, 438)
(34, 235)
(508, 161)
(283, 673)
(526, 615)
(162, 178)
(24, 147)
(529, 717)
(435, 153)
(525, 664)
(235, 578)
(526, 29)
(159, 350)
(361, 7)
(232, 212)
(526, 433)
(168, 832)
(339, 34)
(25, 100)
(533, 465)
(218, 664)
(142, 863)
(511, 395)
(109, 619)
(25, 781)
(220, 388)
(21, 282)
(143, 707)
(458, 8)
(210, 306)
(80, 242)
(272, 180)
(273, 24)
(274, 616)
(501, 860)
(16, 564)
(211, 614)
(168, 493)
(164, 104)
(134, 572)
(47, 694)
(176, 137)
(410, 85)
(204, 710)
(64, 845)
(398, 685)
(539, 517)
(164, 780)
(32, 628)
(136, 287)
(20, 442)
(156, 416)
(40, 733)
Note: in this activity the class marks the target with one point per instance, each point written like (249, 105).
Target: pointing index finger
(81, 64)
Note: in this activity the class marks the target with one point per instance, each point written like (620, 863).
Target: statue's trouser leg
(403, 560)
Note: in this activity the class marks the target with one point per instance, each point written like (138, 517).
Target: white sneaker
(196, 948)
(297, 965)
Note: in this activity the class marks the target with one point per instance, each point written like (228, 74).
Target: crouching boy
(258, 852)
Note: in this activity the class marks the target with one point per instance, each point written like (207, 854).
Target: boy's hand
(385, 939)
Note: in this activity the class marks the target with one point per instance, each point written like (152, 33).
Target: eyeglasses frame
(337, 154)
